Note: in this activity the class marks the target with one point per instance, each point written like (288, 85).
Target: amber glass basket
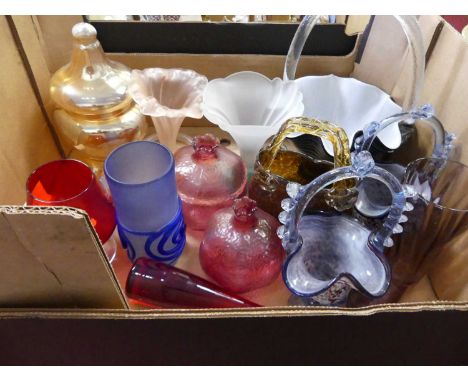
(276, 166)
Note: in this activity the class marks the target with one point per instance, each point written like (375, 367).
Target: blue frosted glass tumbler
(141, 179)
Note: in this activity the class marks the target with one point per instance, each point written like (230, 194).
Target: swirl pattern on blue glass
(164, 245)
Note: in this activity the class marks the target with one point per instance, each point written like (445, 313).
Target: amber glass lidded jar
(94, 113)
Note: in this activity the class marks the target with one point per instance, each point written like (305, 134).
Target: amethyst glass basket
(330, 254)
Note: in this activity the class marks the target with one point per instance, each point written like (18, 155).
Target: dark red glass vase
(165, 286)
(241, 250)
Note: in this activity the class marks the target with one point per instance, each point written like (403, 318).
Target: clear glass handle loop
(442, 141)
(363, 167)
(413, 34)
(297, 44)
(325, 130)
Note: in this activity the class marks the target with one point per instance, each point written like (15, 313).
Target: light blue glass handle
(363, 167)
(413, 34)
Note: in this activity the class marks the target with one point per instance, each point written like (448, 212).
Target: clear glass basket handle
(413, 34)
(443, 142)
(373, 200)
(363, 167)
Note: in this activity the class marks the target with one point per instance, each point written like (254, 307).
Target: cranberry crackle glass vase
(240, 249)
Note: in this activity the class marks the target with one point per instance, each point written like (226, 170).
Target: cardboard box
(428, 326)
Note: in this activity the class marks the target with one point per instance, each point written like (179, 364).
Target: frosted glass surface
(141, 178)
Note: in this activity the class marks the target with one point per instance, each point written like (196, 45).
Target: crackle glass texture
(209, 177)
(241, 250)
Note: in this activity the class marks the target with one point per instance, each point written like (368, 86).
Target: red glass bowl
(71, 183)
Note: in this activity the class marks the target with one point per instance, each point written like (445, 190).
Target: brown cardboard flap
(24, 134)
(31, 41)
(446, 85)
(51, 258)
(384, 55)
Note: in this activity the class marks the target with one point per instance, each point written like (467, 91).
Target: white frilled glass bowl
(350, 103)
(168, 96)
(251, 107)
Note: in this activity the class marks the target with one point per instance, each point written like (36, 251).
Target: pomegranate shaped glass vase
(240, 249)
(209, 177)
